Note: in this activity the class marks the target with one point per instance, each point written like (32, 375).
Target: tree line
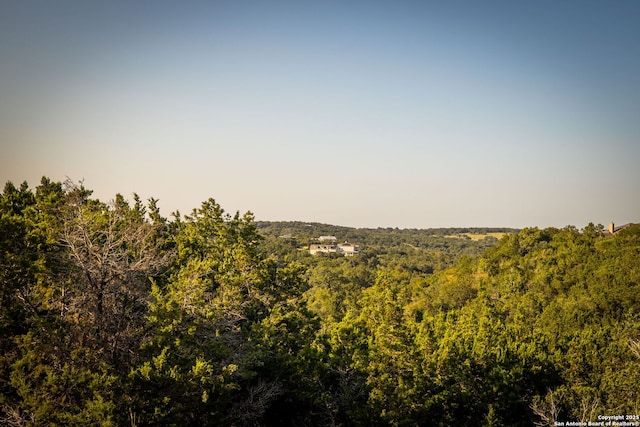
(113, 315)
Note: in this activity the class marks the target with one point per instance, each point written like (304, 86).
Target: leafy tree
(226, 325)
(83, 295)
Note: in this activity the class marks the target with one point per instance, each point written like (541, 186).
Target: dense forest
(113, 315)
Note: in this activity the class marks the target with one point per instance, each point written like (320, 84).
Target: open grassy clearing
(476, 237)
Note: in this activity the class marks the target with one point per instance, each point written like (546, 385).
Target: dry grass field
(476, 237)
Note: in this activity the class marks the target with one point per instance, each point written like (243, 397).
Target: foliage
(111, 314)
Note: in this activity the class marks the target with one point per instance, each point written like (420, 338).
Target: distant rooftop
(613, 229)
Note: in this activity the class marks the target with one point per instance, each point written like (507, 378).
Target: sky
(409, 114)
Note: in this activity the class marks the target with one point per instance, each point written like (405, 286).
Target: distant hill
(424, 250)
(307, 232)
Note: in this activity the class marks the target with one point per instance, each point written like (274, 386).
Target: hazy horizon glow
(367, 114)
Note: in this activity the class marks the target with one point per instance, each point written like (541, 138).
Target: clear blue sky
(408, 114)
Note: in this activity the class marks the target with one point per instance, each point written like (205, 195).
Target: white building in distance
(346, 249)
